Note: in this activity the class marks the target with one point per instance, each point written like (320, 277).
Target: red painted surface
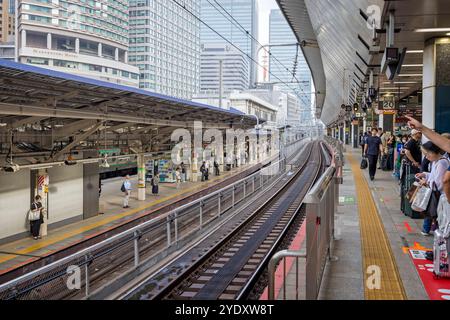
(408, 227)
(437, 288)
(295, 245)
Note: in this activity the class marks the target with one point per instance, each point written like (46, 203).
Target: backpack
(122, 188)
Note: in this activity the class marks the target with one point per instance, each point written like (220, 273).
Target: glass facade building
(243, 11)
(84, 37)
(285, 54)
(165, 45)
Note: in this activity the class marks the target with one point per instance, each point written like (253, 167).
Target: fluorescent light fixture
(405, 82)
(410, 75)
(414, 51)
(433, 30)
(394, 88)
(2, 124)
(40, 167)
(447, 34)
(412, 65)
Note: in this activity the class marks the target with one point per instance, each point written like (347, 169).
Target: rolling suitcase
(384, 163)
(441, 255)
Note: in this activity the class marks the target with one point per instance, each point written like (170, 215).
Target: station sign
(386, 105)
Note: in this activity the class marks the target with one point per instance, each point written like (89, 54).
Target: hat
(414, 131)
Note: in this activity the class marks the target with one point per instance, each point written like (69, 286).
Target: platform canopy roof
(336, 38)
(29, 94)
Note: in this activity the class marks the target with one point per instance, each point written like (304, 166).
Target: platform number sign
(388, 105)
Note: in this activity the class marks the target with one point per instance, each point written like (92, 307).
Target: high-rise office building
(245, 12)
(83, 37)
(235, 69)
(7, 21)
(287, 54)
(165, 45)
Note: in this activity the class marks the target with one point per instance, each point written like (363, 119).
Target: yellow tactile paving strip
(61, 237)
(376, 250)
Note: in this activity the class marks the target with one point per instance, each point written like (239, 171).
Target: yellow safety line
(54, 239)
(378, 259)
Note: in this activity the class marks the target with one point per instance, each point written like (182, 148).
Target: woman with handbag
(434, 180)
(35, 216)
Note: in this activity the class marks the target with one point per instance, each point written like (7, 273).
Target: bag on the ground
(364, 163)
(34, 215)
(441, 255)
(422, 199)
(122, 188)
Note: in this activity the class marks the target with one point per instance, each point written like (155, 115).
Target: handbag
(412, 192)
(422, 199)
(364, 163)
(34, 215)
(432, 208)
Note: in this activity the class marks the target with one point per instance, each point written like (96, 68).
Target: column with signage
(387, 109)
(436, 84)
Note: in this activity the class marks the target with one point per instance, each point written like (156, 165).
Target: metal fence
(321, 205)
(72, 276)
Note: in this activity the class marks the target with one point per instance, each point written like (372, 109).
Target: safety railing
(72, 276)
(321, 205)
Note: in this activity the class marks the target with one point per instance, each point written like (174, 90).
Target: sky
(264, 10)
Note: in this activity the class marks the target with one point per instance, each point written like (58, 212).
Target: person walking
(126, 189)
(203, 170)
(434, 179)
(36, 217)
(372, 149)
(155, 184)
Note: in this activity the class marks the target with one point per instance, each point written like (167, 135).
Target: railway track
(105, 267)
(230, 269)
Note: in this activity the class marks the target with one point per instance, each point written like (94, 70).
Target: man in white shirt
(126, 188)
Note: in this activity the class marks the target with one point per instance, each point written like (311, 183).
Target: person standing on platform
(183, 172)
(126, 189)
(216, 168)
(439, 140)
(412, 151)
(203, 170)
(36, 217)
(434, 179)
(178, 178)
(372, 149)
(155, 184)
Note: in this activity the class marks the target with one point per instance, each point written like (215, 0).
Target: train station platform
(378, 252)
(18, 253)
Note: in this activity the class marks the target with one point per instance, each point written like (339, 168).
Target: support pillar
(141, 177)
(116, 54)
(42, 184)
(77, 45)
(436, 84)
(100, 51)
(23, 36)
(49, 41)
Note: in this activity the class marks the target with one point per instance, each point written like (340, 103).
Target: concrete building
(286, 54)
(165, 45)
(88, 38)
(218, 17)
(235, 71)
(251, 104)
(7, 21)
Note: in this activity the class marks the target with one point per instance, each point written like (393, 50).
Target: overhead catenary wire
(231, 43)
(249, 34)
